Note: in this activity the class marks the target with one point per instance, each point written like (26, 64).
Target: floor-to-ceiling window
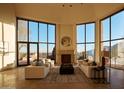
(105, 40)
(112, 39)
(85, 41)
(35, 40)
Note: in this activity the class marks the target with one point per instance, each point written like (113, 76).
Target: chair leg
(94, 74)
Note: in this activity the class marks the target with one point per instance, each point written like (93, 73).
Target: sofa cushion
(33, 63)
(39, 63)
(47, 60)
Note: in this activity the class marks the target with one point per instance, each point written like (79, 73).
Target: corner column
(97, 42)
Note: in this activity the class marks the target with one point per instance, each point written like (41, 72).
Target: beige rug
(54, 76)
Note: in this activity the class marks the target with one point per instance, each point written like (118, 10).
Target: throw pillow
(33, 63)
(86, 60)
(39, 63)
(43, 60)
(94, 63)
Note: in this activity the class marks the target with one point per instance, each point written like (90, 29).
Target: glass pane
(33, 32)
(90, 51)
(22, 54)
(42, 32)
(22, 30)
(105, 50)
(117, 53)
(80, 52)
(117, 25)
(90, 32)
(51, 33)
(51, 51)
(105, 29)
(42, 51)
(33, 52)
(80, 33)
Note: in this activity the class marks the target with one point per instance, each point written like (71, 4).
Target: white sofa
(50, 61)
(88, 70)
(36, 71)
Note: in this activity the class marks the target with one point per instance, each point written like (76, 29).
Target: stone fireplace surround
(71, 52)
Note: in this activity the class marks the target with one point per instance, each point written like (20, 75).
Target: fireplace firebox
(66, 58)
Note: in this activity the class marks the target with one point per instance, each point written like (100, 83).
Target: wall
(61, 31)
(7, 35)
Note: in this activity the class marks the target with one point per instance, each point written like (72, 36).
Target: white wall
(7, 34)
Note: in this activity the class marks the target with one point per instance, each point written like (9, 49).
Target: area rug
(54, 76)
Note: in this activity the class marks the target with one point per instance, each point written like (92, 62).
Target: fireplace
(66, 58)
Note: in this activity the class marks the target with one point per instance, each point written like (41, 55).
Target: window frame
(28, 41)
(110, 31)
(85, 42)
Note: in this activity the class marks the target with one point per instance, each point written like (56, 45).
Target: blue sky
(33, 32)
(90, 31)
(117, 29)
(117, 26)
(33, 36)
(80, 33)
(43, 32)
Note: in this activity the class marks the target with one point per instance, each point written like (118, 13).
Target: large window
(35, 41)
(85, 41)
(112, 39)
(105, 38)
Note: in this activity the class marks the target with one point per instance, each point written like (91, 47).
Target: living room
(61, 45)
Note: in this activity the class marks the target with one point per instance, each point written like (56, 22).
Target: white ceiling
(56, 13)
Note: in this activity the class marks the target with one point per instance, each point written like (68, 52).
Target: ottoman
(66, 69)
